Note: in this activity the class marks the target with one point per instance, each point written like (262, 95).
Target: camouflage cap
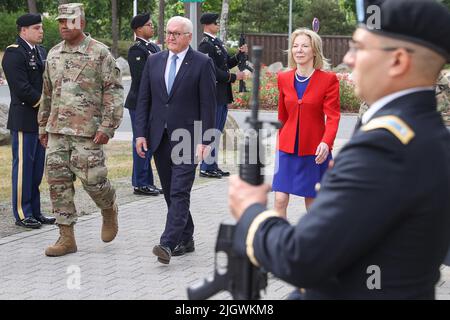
(70, 11)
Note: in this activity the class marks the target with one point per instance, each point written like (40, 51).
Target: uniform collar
(29, 44)
(82, 47)
(143, 40)
(210, 35)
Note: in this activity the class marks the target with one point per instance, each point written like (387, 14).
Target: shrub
(8, 31)
(124, 45)
(51, 33)
(349, 101)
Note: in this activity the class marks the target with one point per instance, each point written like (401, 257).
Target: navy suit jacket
(192, 98)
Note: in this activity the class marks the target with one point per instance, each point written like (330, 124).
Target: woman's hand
(322, 152)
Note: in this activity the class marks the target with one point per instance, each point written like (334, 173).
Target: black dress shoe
(44, 220)
(210, 174)
(156, 189)
(146, 191)
(184, 247)
(29, 222)
(163, 253)
(223, 173)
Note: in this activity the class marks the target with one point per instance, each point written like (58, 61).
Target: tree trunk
(161, 25)
(115, 29)
(32, 8)
(224, 21)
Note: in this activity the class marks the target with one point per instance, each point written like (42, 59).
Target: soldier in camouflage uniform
(81, 108)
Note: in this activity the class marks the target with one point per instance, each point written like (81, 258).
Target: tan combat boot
(110, 225)
(65, 243)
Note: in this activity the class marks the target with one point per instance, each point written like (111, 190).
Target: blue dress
(296, 174)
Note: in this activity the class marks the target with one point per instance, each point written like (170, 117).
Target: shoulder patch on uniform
(394, 125)
(12, 46)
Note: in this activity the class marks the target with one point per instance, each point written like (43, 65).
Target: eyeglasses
(176, 35)
(354, 47)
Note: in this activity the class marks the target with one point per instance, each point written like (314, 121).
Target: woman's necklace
(304, 80)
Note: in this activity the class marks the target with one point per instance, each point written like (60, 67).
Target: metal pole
(135, 8)
(290, 18)
(193, 17)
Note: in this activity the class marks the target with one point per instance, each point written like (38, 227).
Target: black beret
(139, 20)
(28, 20)
(424, 22)
(209, 18)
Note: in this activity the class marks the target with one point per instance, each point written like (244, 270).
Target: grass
(119, 163)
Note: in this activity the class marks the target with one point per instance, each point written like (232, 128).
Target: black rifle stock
(240, 277)
(242, 64)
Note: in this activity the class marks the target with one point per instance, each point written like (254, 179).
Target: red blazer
(307, 115)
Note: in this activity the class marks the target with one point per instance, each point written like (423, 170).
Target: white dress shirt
(379, 104)
(180, 59)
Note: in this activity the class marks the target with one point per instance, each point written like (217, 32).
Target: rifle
(240, 277)
(242, 64)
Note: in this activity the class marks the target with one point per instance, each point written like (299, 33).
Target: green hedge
(8, 31)
(124, 45)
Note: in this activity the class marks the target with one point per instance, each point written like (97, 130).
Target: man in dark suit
(142, 177)
(23, 64)
(223, 62)
(176, 106)
(379, 227)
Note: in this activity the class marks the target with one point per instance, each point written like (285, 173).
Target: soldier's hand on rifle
(43, 138)
(240, 75)
(101, 138)
(242, 195)
(244, 49)
(141, 146)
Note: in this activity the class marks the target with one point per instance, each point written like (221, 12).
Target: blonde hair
(320, 62)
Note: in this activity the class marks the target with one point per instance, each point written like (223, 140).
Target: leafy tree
(333, 18)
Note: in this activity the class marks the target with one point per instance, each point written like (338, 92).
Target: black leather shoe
(44, 220)
(210, 174)
(146, 191)
(184, 247)
(154, 188)
(223, 173)
(163, 253)
(29, 222)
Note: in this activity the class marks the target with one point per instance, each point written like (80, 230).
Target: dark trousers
(177, 181)
(142, 169)
(221, 118)
(27, 170)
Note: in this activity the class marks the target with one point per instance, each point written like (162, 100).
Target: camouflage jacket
(82, 91)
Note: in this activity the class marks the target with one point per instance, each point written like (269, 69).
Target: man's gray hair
(188, 27)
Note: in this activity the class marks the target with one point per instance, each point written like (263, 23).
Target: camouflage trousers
(69, 157)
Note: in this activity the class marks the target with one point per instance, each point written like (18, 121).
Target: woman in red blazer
(309, 111)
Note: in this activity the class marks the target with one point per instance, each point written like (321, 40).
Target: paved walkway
(126, 268)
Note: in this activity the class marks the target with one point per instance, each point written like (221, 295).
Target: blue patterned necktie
(172, 73)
